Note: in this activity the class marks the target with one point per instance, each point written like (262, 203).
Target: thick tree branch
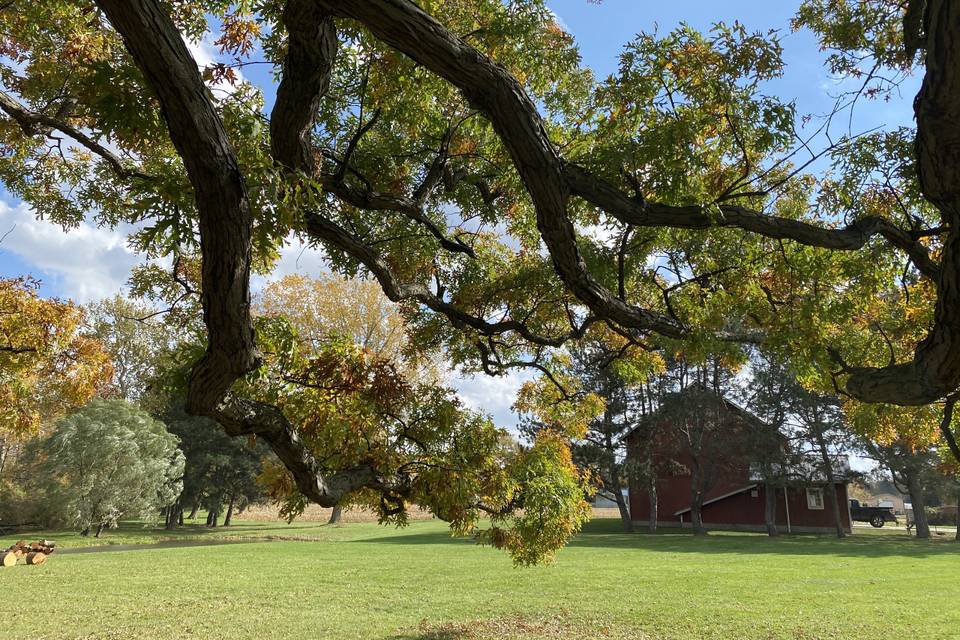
(307, 68)
(33, 123)
(606, 196)
(298, 100)
(946, 428)
(224, 211)
(501, 98)
(225, 228)
(935, 369)
(934, 372)
(247, 417)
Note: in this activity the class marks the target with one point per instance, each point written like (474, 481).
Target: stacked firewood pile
(32, 552)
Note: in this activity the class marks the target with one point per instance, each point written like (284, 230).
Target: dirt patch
(518, 627)
(606, 512)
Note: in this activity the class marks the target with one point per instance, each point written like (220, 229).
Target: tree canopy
(106, 461)
(48, 365)
(459, 154)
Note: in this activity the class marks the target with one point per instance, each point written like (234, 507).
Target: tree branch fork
(226, 222)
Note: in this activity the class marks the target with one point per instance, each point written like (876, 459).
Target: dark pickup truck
(876, 516)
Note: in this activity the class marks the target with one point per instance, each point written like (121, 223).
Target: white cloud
(492, 395)
(299, 257)
(560, 21)
(296, 258)
(205, 54)
(84, 264)
(89, 263)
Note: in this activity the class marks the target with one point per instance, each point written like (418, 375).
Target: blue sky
(89, 263)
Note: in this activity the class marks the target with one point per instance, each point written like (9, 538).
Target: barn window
(815, 498)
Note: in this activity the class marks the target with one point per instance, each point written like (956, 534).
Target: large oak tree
(458, 154)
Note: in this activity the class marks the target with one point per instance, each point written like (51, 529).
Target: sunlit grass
(366, 581)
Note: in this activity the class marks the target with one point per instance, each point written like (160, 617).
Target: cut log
(8, 558)
(36, 558)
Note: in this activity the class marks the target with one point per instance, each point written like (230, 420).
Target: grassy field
(365, 581)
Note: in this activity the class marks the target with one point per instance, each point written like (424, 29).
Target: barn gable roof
(735, 492)
(732, 407)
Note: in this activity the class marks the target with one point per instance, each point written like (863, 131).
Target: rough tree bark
(225, 224)
(935, 370)
(336, 515)
(770, 509)
(919, 501)
(228, 518)
(652, 491)
(957, 521)
(831, 486)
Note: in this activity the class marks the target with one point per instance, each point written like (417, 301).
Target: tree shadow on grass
(432, 538)
(607, 533)
(148, 533)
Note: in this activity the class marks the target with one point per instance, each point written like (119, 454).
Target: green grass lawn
(366, 581)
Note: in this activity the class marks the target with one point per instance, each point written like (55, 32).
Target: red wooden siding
(740, 510)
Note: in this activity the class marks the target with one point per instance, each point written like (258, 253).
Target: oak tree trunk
(770, 509)
(624, 509)
(652, 522)
(227, 519)
(335, 515)
(696, 511)
(957, 522)
(915, 489)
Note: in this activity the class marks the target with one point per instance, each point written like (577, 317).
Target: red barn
(735, 498)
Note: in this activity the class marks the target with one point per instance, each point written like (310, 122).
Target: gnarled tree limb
(935, 370)
(225, 219)
(225, 227)
(606, 196)
(33, 123)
